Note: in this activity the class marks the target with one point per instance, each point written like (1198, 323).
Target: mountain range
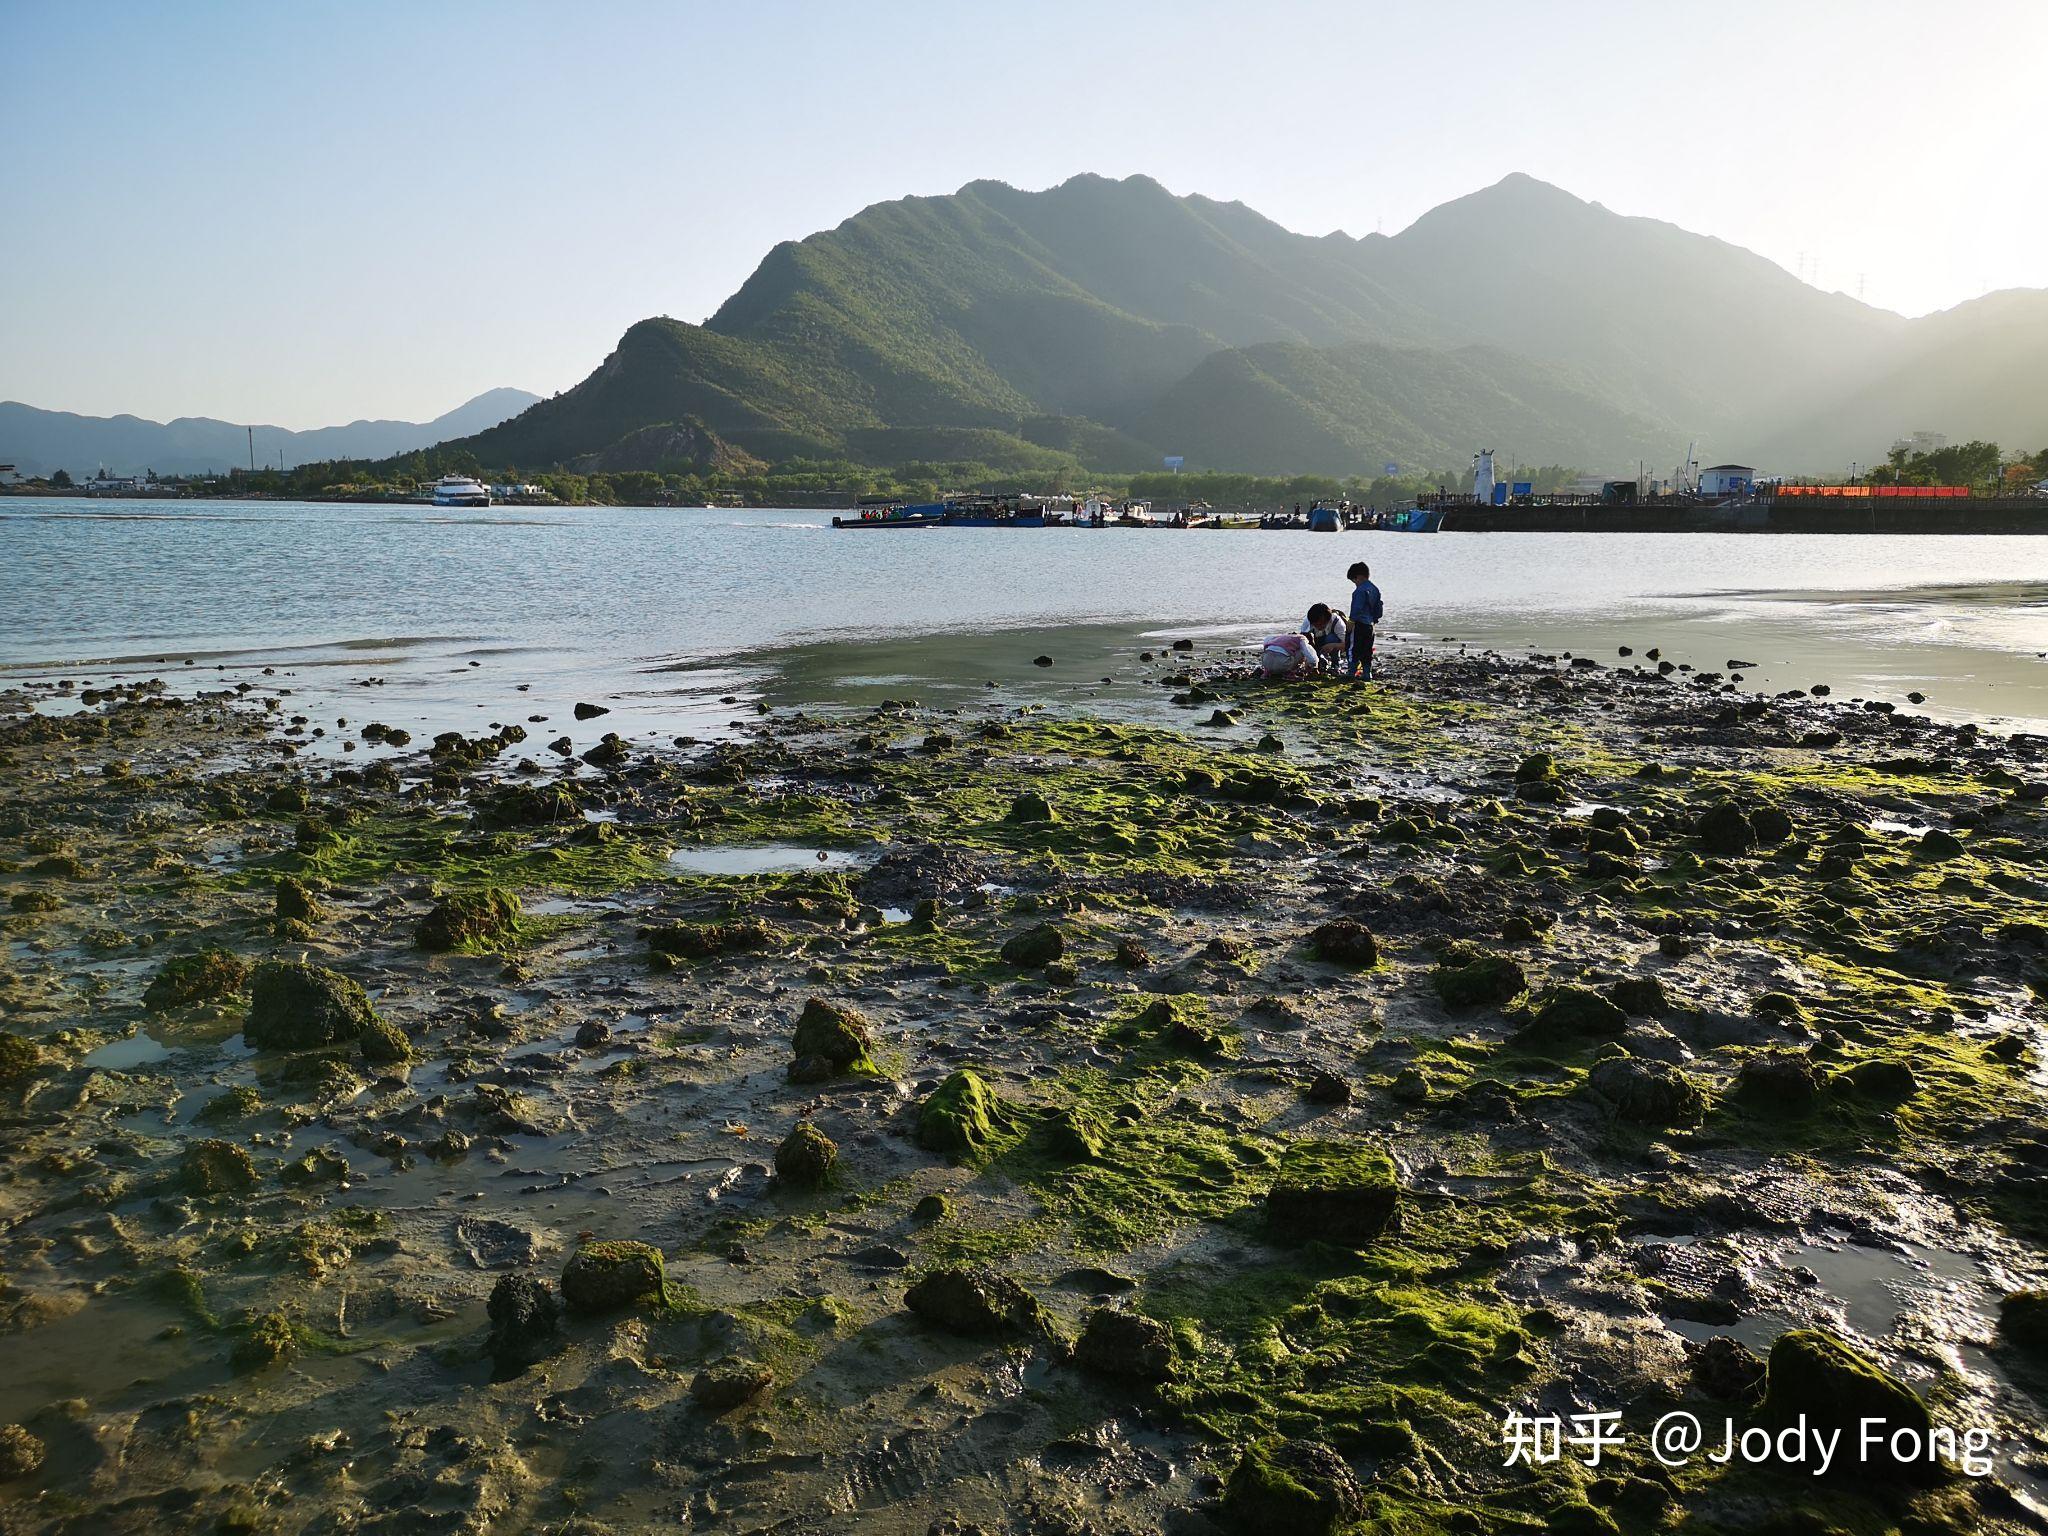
(39, 442)
(1113, 322)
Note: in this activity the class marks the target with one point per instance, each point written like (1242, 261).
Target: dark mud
(1259, 1110)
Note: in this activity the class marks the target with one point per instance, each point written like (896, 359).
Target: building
(1921, 442)
(1727, 480)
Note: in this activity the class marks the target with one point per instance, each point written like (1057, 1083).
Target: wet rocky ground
(1011, 1118)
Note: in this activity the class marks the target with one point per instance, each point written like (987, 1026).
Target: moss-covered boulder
(208, 976)
(1292, 1488)
(528, 805)
(1778, 1083)
(961, 1117)
(806, 1157)
(2023, 1325)
(1572, 1010)
(463, 918)
(19, 1056)
(1341, 1192)
(705, 941)
(1465, 980)
(296, 903)
(1640, 997)
(605, 1276)
(1816, 1376)
(731, 1383)
(1029, 807)
(383, 1044)
(526, 1321)
(1344, 941)
(296, 1006)
(209, 1169)
(1035, 947)
(831, 1040)
(1880, 1079)
(1651, 1093)
(1070, 1134)
(21, 1452)
(1938, 847)
(265, 1340)
(1128, 1346)
(976, 1300)
(1724, 829)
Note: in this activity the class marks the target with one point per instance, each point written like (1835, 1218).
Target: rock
(268, 1339)
(1183, 645)
(1411, 1086)
(295, 902)
(604, 1276)
(976, 1300)
(529, 805)
(1335, 1192)
(1071, 1135)
(19, 1056)
(1477, 980)
(1294, 1488)
(483, 916)
(1536, 768)
(806, 1157)
(703, 941)
(209, 1169)
(1770, 823)
(294, 1006)
(1777, 1005)
(1041, 661)
(525, 1323)
(833, 1034)
(730, 1383)
(1814, 1375)
(1649, 1093)
(383, 1044)
(1126, 1345)
(1640, 997)
(1726, 1369)
(611, 750)
(1326, 1088)
(1880, 1077)
(1343, 941)
(21, 1452)
(1572, 1010)
(1937, 846)
(1726, 830)
(960, 1117)
(1782, 1083)
(1035, 947)
(208, 976)
(1674, 946)
(589, 711)
(1030, 807)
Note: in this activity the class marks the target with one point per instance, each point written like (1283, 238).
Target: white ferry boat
(461, 491)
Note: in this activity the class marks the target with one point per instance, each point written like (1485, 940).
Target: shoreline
(1487, 921)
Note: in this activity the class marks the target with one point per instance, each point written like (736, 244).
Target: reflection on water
(666, 615)
(768, 859)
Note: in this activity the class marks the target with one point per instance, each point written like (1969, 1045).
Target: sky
(306, 213)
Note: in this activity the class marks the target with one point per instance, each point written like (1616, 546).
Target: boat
(894, 514)
(461, 491)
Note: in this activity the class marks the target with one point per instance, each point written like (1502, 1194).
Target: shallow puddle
(766, 859)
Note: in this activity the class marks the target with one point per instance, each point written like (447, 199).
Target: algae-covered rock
(295, 1006)
(1782, 1083)
(211, 1168)
(1536, 768)
(604, 1276)
(1029, 807)
(1938, 847)
(238, 1103)
(806, 1157)
(21, 1452)
(1725, 829)
(1771, 824)
(485, 916)
(1478, 981)
(528, 805)
(976, 1300)
(35, 901)
(1648, 1092)
(267, 1339)
(295, 902)
(383, 1044)
(1816, 1376)
(1035, 947)
(730, 1383)
(525, 1323)
(19, 1056)
(1572, 1010)
(1341, 1192)
(1880, 1078)
(1344, 941)
(1726, 1369)
(205, 977)
(1126, 1345)
(1071, 1135)
(831, 1039)
(2023, 1324)
(1640, 997)
(1293, 1488)
(960, 1117)
(702, 941)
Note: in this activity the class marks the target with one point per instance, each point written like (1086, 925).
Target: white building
(1727, 480)
(1921, 442)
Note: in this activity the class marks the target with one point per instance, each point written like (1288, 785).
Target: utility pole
(252, 450)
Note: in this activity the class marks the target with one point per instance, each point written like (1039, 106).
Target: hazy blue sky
(302, 213)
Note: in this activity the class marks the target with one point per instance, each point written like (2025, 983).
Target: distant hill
(39, 442)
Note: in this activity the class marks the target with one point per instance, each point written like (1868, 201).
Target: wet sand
(1235, 1099)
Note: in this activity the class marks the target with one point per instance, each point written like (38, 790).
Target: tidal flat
(999, 1116)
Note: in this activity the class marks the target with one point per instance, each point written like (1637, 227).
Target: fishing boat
(881, 515)
(461, 491)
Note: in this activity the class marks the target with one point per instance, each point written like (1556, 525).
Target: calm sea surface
(663, 612)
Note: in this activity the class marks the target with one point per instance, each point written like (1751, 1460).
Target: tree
(61, 480)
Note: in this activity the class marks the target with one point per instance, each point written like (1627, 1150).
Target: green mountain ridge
(1108, 322)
